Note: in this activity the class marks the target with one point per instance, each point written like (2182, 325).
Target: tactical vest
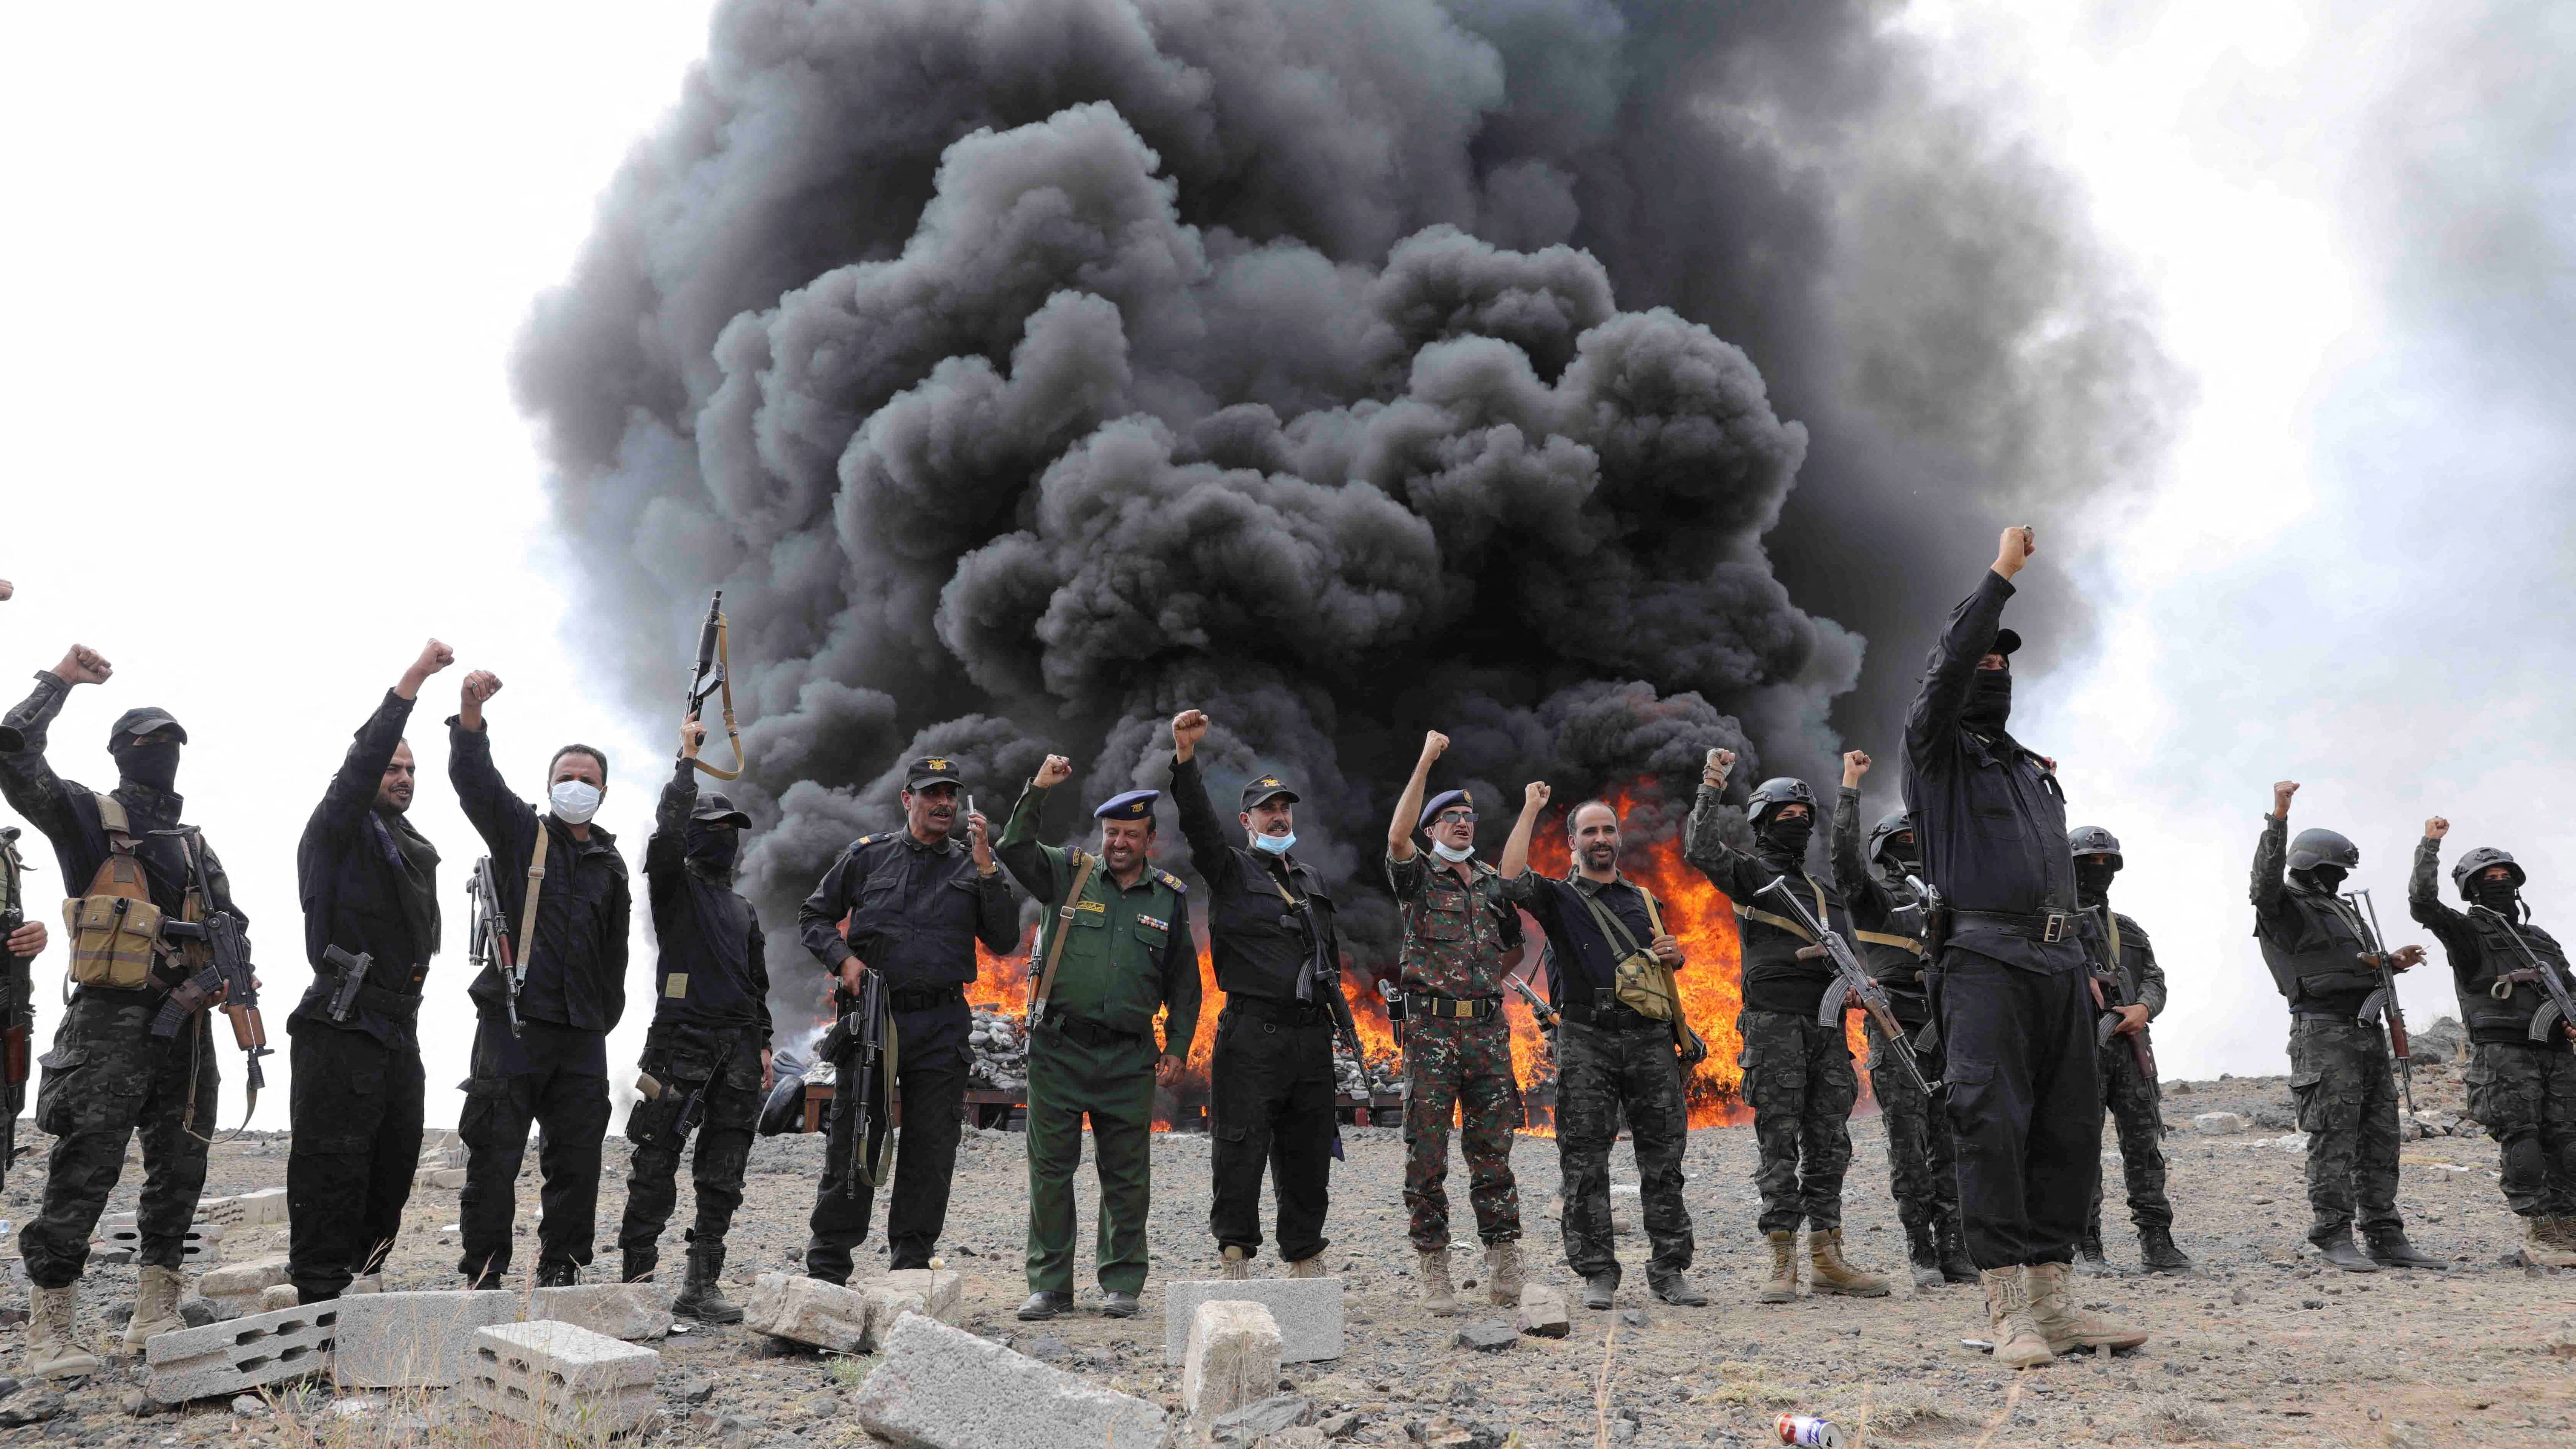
(2321, 967)
(1456, 934)
(115, 929)
(1771, 941)
(2487, 1017)
(1895, 953)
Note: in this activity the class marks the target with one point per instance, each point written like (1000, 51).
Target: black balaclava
(154, 764)
(2093, 880)
(1989, 701)
(1789, 836)
(2326, 878)
(2499, 896)
(710, 851)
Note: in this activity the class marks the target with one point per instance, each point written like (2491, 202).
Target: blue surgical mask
(1451, 853)
(1275, 844)
(575, 801)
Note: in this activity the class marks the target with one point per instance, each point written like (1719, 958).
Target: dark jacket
(369, 884)
(2124, 951)
(2311, 940)
(1989, 818)
(66, 812)
(1887, 919)
(1775, 978)
(1559, 907)
(915, 911)
(713, 970)
(2480, 946)
(576, 975)
(1258, 943)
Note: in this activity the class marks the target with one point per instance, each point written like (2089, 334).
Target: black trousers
(553, 1076)
(2025, 1103)
(930, 1073)
(1271, 1109)
(355, 1109)
(723, 1070)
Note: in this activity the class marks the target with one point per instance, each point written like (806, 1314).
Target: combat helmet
(2313, 848)
(1771, 795)
(2094, 840)
(1891, 825)
(2477, 862)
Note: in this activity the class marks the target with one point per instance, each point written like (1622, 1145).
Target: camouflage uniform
(2129, 1092)
(1457, 935)
(1601, 1073)
(1922, 1152)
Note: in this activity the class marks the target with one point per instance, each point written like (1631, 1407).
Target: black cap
(1265, 787)
(2006, 642)
(714, 808)
(142, 722)
(934, 770)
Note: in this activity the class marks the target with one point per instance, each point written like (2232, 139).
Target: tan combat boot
(1783, 1287)
(1438, 1298)
(2018, 1343)
(54, 1348)
(1307, 1267)
(156, 1307)
(1832, 1274)
(2544, 1243)
(2065, 1326)
(1238, 1266)
(1503, 1273)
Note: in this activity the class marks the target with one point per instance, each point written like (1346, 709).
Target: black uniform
(1271, 1075)
(1611, 1062)
(2009, 989)
(555, 1072)
(710, 1025)
(108, 1078)
(915, 912)
(369, 884)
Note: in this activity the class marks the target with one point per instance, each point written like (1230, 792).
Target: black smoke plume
(1027, 372)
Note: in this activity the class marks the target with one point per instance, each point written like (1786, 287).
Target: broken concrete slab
(1232, 1358)
(235, 1288)
(943, 1293)
(631, 1311)
(1542, 1312)
(239, 1354)
(943, 1388)
(562, 1378)
(1307, 1310)
(446, 1177)
(1257, 1421)
(425, 1340)
(1488, 1337)
(808, 1310)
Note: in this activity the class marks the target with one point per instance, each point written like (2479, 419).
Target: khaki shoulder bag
(115, 929)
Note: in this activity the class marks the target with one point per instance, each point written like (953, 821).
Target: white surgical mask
(1275, 844)
(1451, 853)
(575, 801)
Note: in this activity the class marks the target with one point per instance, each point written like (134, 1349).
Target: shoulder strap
(527, 942)
(1084, 863)
(111, 818)
(1611, 926)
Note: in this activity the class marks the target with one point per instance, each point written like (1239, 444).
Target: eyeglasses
(1455, 817)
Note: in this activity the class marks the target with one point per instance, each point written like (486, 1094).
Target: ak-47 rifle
(861, 1048)
(487, 940)
(1539, 1009)
(2384, 1000)
(2111, 992)
(17, 999)
(1853, 983)
(224, 976)
(2555, 1022)
(714, 672)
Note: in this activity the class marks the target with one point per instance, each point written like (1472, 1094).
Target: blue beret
(1134, 805)
(1431, 809)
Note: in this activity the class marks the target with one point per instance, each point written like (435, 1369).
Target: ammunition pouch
(115, 939)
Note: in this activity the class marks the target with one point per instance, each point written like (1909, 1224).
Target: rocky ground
(2258, 1348)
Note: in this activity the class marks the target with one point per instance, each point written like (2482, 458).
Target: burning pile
(1382, 1075)
(998, 1051)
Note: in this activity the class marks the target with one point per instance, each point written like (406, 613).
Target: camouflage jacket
(1457, 934)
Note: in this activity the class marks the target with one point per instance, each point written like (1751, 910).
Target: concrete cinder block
(562, 1378)
(632, 1311)
(808, 1310)
(117, 1234)
(422, 1340)
(239, 1354)
(235, 1288)
(943, 1388)
(1232, 1358)
(446, 1177)
(250, 1210)
(1307, 1310)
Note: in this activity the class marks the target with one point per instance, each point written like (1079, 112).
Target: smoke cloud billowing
(1585, 380)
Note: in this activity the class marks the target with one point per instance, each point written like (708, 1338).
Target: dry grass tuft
(2173, 1419)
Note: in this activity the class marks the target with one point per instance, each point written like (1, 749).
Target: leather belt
(1451, 1008)
(1278, 1013)
(2045, 927)
(1609, 1015)
(925, 998)
(1092, 1033)
(398, 1005)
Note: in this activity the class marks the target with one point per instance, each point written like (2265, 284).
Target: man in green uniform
(1113, 951)
(1461, 938)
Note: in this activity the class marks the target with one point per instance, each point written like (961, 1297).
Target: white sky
(254, 249)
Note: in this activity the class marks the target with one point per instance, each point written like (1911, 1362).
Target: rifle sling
(1085, 864)
(526, 944)
(724, 680)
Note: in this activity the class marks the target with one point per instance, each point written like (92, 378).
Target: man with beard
(551, 1068)
(1798, 1076)
(2522, 1083)
(1887, 916)
(1461, 938)
(707, 1052)
(369, 884)
(1113, 953)
(1271, 934)
(2009, 991)
(916, 901)
(1611, 1060)
(108, 1079)
(2314, 943)
(2124, 969)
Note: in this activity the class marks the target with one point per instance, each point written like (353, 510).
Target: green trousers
(1114, 1083)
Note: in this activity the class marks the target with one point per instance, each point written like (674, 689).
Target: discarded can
(1809, 1432)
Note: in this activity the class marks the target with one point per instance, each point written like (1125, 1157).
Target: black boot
(702, 1297)
(1925, 1257)
(557, 1274)
(1956, 1265)
(2089, 1247)
(2157, 1253)
(2340, 1251)
(2389, 1249)
(639, 1267)
(1600, 1290)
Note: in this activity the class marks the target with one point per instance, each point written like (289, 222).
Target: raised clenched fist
(1714, 770)
(2436, 828)
(84, 665)
(1054, 772)
(2281, 792)
(1855, 765)
(1534, 795)
(1188, 728)
(1433, 744)
(2014, 549)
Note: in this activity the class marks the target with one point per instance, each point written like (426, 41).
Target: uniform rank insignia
(1144, 920)
(1092, 906)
